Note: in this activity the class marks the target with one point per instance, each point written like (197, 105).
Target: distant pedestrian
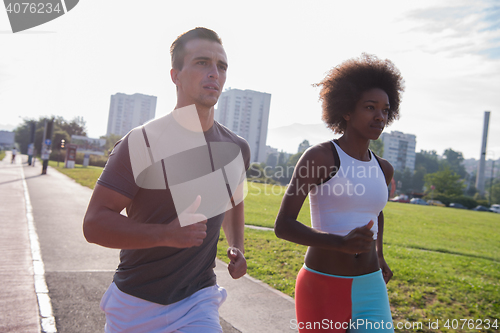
(165, 281)
(14, 152)
(342, 280)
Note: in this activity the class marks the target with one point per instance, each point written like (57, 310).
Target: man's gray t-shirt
(163, 275)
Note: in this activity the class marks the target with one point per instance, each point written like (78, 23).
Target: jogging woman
(342, 285)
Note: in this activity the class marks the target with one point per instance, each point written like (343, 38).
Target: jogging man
(168, 175)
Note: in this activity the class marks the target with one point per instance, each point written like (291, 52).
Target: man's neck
(205, 115)
(206, 118)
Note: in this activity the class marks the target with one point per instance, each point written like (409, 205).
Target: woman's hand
(386, 271)
(359, 240)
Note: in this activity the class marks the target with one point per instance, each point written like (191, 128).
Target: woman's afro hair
(343, 86)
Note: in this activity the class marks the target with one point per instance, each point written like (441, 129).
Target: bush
(447, 200)
(94, 160)
(441, 197)
(56, 155)
(263, 180)
(256, 173)
(466, 201)
(484, 203)
(481, 200)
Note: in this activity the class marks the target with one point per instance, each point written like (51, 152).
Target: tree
(418, 181)
(377, 146)
(23, 135)
(445, 181)
(407, 182)
(303, 146)
(454, 160)
(470, 182)
(428, 160)
(272, 160)
(75, 127)
(282, 172)
(61, 130)
(255, 171)
(282, 158)
(398, 175)
(404, 181)
(495, 192)
(294, 159)
(110, 141)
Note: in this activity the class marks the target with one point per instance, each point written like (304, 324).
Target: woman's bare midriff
(340, 263)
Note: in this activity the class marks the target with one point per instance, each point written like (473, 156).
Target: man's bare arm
(104, 225)
(234, 228)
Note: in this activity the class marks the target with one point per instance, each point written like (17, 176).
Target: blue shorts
(331, 303)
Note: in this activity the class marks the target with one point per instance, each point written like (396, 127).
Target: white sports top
(356, 194)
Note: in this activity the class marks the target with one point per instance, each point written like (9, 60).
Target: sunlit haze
(447, 51)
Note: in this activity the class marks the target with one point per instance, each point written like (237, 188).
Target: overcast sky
(447, 51)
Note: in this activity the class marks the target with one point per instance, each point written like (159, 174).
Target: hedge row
(94, 160)
(466, 201)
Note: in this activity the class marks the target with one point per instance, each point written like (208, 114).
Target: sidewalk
(251, 306)
(18, 301)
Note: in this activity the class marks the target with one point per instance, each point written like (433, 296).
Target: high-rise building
(246, 113)
(129, 111)
(399, 150)
(303, 146)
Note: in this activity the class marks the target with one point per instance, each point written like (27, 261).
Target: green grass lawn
(446, 262)
(263, 202)
(2, 154)
(86, 176)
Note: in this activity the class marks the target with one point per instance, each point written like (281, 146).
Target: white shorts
(198, 313)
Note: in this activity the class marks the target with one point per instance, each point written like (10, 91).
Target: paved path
(74, 274)
(18, 302)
